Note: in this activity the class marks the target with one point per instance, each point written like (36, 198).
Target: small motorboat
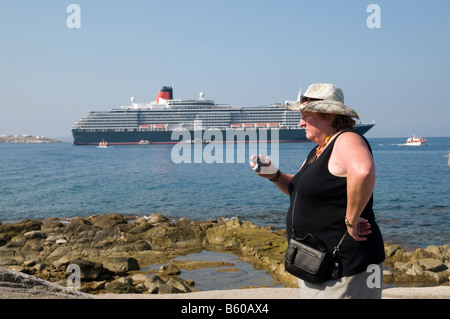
(416, 141)
(103, 144)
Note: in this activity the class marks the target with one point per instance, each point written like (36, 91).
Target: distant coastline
(15, 139)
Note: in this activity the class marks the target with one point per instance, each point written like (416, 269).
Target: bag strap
(336, 249)
(294, 235)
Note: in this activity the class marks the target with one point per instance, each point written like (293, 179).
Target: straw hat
(330, 99)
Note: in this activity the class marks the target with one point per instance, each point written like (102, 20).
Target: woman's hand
(361, 229)
(272, 173)
(269, 171)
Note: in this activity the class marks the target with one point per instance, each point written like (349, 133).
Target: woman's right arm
(283, 182)
(280, 179)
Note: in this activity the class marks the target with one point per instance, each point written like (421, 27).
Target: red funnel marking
(166, 93)
(163, 95)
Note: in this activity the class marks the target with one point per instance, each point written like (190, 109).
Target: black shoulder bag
(307, 259)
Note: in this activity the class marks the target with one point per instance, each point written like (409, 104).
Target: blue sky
(244, 53)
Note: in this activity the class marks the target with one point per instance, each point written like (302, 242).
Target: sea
(200, 182)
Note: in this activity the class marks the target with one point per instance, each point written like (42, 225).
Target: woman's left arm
(353, 160)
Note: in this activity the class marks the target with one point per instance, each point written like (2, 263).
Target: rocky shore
(110, 253)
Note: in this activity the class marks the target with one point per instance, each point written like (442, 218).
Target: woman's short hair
(340, 122)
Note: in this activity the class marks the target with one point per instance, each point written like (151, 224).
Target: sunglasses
(308, 99)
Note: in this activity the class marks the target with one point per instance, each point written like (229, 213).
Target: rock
(18, 285)
(421, 253)
(155, 285)
(156, 219)
(122, 286)
(98, 285)
(140, 227)
(185, 236)
(233, 223)
(390, 250)
(107, 221)
(58, 251)
(388, 276)
(33, 245)
(29, 263)
(34, 234)
(179, 284)
(141, 220)
(402, 266)
(3, 240)
(431, 264)
(53, 238)
(121, 264)
(105, 235)
(140, 245)
(78, 225)
(13, 229)
(40, 266)
(52, 226)
(8, 262)
(170, 269)
(61, 262)
(394, 253)
(167, 289)
(420, 270)
(437, 277)
(17, 241)
(152, 288)
(88, 270)
(155, 279)
(434, 250)
(139, 278)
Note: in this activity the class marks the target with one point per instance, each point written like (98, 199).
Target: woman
(333, 192)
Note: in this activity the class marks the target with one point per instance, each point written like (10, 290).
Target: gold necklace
(321, 147)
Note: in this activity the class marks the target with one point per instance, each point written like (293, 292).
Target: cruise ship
(169, 121)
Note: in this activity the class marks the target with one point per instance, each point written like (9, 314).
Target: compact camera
(259, 163)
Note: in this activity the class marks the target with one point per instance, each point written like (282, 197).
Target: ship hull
(82, 137)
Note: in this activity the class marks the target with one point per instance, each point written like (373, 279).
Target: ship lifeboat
(273, 125)
(236, 125)
(248, 125)
(144, 142)
(261, 125)
(145, 127)
(103, 144)
(159, 127)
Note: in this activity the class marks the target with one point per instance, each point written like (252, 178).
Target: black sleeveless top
(319, 201)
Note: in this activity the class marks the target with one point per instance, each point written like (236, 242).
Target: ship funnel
(165, 94)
